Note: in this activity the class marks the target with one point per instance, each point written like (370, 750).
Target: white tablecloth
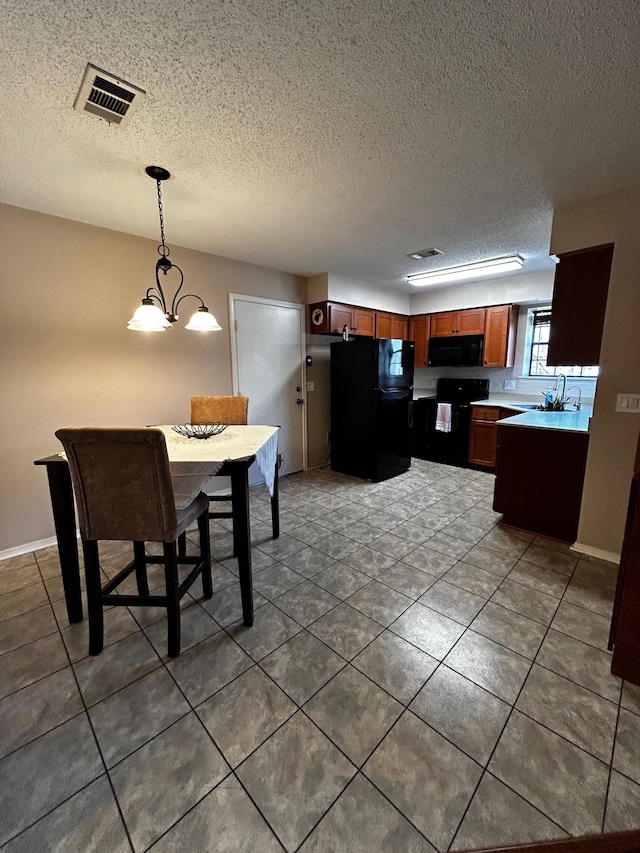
(193, 460)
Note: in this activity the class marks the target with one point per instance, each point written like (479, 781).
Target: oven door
(452, 447)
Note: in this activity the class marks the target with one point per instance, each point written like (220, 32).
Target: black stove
(441, 432)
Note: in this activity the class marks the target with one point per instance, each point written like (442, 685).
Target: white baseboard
(590, 551)
(19, 550)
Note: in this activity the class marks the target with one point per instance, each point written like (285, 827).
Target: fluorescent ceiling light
(467, 271)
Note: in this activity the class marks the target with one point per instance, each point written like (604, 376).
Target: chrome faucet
(578, 405)
(564, 384)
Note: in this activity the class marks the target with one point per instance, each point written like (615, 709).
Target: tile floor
(418, 677)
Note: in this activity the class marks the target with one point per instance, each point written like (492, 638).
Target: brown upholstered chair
(230, 410)
(123, 489)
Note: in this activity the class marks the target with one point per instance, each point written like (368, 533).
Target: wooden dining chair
(231, 410)
(123, 489)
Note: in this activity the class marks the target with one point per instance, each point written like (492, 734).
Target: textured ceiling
(325, 135)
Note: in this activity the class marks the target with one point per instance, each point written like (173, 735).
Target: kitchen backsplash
(425, 378)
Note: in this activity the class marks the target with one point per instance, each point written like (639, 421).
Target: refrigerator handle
(410, 416)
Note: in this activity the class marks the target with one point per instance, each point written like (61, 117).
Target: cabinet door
(482, 443)
(470, 322)
(364, 321)
(339, 317)
(419, 332)
(580, 292)
(443, 325)
(500, 335)
(384, 325)
(400, 327)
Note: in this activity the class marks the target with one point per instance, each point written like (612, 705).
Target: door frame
(303, 348)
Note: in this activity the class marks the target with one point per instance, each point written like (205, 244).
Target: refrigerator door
(395, 363)
(394, 409)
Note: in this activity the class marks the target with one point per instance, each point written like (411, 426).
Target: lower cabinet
(539, 478)
(483, 438)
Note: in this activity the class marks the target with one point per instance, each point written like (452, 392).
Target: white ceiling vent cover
(106, 96)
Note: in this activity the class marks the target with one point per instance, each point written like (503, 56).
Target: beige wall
(68, 359)
(355, 292)
(613, 436)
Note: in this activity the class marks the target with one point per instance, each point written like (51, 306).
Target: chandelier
(154, 315)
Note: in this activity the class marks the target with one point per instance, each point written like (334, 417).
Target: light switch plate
(629, 403)
(509, 384)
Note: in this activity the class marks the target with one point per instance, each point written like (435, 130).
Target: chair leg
(94, 596)
(142, 580)
(205, 553)
(182, 544)
(173, 602)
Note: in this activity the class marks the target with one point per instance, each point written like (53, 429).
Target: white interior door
(269, 369)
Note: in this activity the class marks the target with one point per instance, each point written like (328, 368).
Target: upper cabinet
(330, 318)
(364, 322)
(419, 332)
(468, 322)
(497, 323)
(500, 336)
(392, 326)
(579, 300)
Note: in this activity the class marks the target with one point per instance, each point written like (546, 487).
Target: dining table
(193, 463)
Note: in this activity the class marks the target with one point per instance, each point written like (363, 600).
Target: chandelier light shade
(467, 271)
(154, 315)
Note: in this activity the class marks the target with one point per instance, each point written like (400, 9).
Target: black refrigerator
(371, 407)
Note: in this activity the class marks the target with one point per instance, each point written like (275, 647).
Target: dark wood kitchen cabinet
(539, 478)
(625, 625)
(364, 322)
(419, 332)
(483, 437)
(330, 318)
(580, 291)
(392, 325)
(501, 324)
(468, 322)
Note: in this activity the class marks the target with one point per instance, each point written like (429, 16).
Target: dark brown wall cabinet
(501, 323)
(539, 477)
(392, 325)
(469, 322)
(579, 300)
(330, 318)
(625, 626)
(419, 332)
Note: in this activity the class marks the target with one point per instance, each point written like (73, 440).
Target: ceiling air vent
(106, 96)
(425, 253)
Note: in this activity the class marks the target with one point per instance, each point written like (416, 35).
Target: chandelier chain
(163, 249)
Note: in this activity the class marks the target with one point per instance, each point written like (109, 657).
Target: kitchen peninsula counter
(563, 421)
(540, 465)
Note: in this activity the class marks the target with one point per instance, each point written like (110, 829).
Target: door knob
(299, 401)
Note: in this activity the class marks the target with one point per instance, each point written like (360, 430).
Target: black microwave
(456, 351)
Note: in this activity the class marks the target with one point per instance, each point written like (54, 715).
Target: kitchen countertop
(560, 421)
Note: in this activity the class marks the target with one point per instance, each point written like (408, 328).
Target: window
(540, 318)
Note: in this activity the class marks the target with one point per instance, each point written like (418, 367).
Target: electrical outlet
(433, 382)
(311, 386)
(509, 384)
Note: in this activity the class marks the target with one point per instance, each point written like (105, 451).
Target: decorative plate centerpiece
(199, 430)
